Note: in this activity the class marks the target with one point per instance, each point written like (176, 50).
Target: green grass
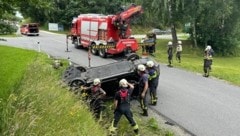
(38, 105)
(225, 68)
(13, 65)
(11, 35)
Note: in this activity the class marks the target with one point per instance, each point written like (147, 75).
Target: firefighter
(153, 73)
(207, 62)
(96, 97)
(170, 53)
(179, 51)
(152, 38)
(143, 88)
(122, 106)
(95, 89)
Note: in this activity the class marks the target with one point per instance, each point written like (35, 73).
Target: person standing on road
(143, 88)
(207, 62)
(153, 73)
(122, 106)
(170, 53)
(179, 51)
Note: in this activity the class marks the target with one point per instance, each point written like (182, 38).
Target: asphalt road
(202, 106)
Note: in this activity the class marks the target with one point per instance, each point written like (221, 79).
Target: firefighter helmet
(123, 83)
(141, 67)
(169, 43)
(208, 48)
(96, 81)
(150, 63)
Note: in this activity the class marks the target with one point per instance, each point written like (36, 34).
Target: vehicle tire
(81, 69)
(77, 83)
(132, 56)
(102, 53)
(76, 44)
(127, 51)
(93, 50)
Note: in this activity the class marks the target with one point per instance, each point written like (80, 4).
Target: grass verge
(225, 68)
(38, 105)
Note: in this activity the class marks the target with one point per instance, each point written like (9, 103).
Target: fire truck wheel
(94, 51)
(102, 53)
(76, 44)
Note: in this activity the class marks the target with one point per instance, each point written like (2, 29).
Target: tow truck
(105, 34)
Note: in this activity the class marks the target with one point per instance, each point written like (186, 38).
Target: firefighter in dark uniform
(143, 88)
(208, 53)
(122, 106)
(153, 73)
(95, 98)
(170, 53)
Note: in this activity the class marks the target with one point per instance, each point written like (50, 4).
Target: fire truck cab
(104, 34)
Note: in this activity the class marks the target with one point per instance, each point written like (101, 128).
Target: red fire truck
(30, 29)
(105, 34)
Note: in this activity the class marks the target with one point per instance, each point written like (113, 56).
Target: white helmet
(150, 63)
(179, 42)
(169, 43)
(141, 67)
(208, 48)
(96, 81)
(123, 83)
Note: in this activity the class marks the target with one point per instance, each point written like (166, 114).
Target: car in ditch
(110, 75)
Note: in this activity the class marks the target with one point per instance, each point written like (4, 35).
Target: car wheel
(81, 69)
(132, 56)
(77, 83)
(94, 51)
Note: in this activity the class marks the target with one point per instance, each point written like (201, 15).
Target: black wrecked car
(110, 75)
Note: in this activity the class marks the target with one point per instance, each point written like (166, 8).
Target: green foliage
(39, 105)
(6, 6)
(13, 66)
(152, 123)
(216, 24)
(6, 28)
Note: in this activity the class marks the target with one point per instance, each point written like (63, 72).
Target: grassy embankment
(225, 68)
(34, 103)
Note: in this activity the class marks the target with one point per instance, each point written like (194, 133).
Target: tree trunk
(194, 35)
(174, 35)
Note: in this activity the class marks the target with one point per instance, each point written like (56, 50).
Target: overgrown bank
(40, 105)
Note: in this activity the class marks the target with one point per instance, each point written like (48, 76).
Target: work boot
(135, 129)
(145, 113)
(113, 131)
